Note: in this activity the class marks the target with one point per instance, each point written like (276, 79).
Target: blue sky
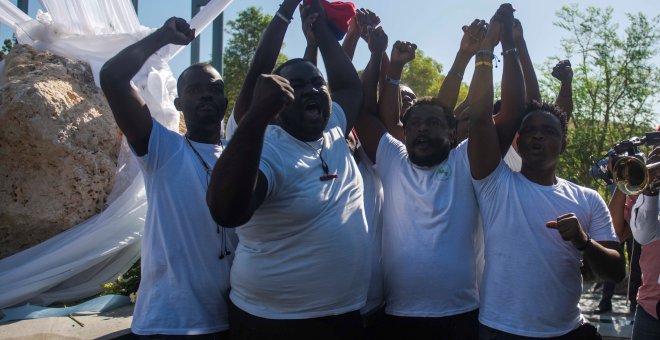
(435, 26)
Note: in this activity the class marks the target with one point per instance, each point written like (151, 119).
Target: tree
(615, 84)
(245, 33)
(7, 46)
(422, 75)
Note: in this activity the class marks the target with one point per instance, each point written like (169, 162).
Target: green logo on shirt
(444, 173)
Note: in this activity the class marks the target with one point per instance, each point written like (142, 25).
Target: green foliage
(7, 46)
(126, 284)
(245, 33)
(615, 84)
(422, 75)
(462, 91)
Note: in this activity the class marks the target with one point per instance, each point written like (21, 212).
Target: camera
(599, 169)
(625, 148)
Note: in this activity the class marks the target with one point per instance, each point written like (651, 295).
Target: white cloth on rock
(76, 263)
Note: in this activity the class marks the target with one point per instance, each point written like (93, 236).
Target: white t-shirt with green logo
(430, 221)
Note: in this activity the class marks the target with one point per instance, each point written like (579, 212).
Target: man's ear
(452, 137)
(177, 103)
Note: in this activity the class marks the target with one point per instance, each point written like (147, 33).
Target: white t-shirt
(304, 253)
(373, 209)
(532, 282)
(184, 284)
(644, 219)
(430, 220)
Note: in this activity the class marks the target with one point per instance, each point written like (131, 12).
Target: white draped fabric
(76, 263)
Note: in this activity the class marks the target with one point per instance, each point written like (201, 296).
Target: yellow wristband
(484, 63)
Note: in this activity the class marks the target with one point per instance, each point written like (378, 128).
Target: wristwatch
(586, 244)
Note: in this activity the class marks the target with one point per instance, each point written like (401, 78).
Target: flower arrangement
(126, 284)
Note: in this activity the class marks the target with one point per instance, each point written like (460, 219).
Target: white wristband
(281, 16)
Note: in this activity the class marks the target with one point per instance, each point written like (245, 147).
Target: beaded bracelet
(480, 52)
(393, 81)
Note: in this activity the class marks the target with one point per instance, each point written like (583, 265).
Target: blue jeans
(645, 326)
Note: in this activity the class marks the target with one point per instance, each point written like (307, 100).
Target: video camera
(624, 148)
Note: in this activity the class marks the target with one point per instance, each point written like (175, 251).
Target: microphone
(224, 253)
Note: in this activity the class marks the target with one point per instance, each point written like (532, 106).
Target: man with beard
(186, 256)
(537, 227)
(295, 194)
(430, 214)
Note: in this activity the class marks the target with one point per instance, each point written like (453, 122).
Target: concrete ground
(106, 325)
(614, 325)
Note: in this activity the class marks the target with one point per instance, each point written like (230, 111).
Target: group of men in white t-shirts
(382, 243)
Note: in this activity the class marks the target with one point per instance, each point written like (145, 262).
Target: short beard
(431, 160)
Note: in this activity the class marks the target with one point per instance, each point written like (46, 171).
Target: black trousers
(460, 326)
(634, 250)
(245, 326)
(585, 332)
(224, 335)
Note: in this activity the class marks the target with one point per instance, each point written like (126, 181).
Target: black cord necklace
(207, 168)
(326, 170)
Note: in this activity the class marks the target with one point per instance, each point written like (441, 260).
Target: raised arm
(369, 128)
(473, 35)
(237, 186)
(359, 27)
(531, 83)
(508, 120)
(311, 51)
(564, 73)
(343, 80)
(131, 113)
(483, 152)
(265, 56)
(389, 106)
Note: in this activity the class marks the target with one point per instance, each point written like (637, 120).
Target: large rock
(58, 145)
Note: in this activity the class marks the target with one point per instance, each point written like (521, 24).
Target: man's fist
(504, 15)
(473, 35)
(377, 41)
(177, 31)
(272, 93)
(563, 71)
(403, 52)
(362, 20)
(315, 7)
(308, 21)
(570, 230)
